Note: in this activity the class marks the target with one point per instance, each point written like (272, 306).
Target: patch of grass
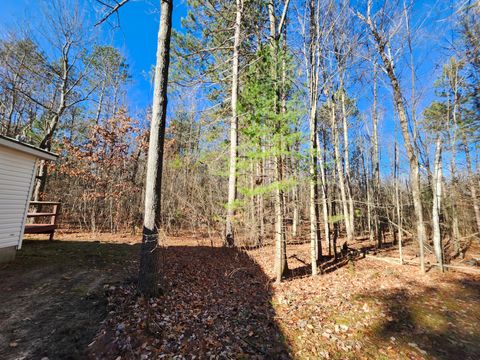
(424, 317)
(81, 290)
(60, 252)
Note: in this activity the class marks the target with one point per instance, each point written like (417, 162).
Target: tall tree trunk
(261, 203)
(253, 207)
(47, 140)
(295, 197)
(398, 205)
(409, 145)
(280, 243)
(453, 194)
(41, 183)
(341, 178)
(324, 193)
(100, 105)
(313, 94)
(375, 160)
(472, 182)
(346, 157)
(368, 189)
(148, 277)
(437, 195)
(232, 177)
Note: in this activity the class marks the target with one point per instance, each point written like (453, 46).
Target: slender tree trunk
(346, 156)
(280, 243)
(472, 182)
(253, 210)
(398, 206)
(47, 140)
(283, 158)
(41, 181)
(334, 209)
(295, 198)
(148, 278)
(453, 196)
(409, 145)
(437, 195)
(100, 105)
(375, 160)
(324, 193)
(261, 203)
(313, 94)
(232, 178)
(368, 191)
(341, 179)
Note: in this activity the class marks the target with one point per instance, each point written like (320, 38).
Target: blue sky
(136, 37)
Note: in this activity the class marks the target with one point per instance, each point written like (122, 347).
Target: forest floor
(75, 298)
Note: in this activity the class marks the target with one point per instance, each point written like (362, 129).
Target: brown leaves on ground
(221, 304)
(368, 309)
(216, 304)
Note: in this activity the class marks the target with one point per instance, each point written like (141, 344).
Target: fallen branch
(400, 228)
(456, 267)
(395, 261)
(469, 236)
(385, 259)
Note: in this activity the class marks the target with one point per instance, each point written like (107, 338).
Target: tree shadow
(438, 322)
(215, 301)
(327, 263)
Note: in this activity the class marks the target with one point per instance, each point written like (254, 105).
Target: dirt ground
(75, 299)
(53, 299)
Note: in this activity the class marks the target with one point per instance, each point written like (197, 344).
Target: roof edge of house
(27, 148)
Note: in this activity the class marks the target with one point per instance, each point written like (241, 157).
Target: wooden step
(40, 214)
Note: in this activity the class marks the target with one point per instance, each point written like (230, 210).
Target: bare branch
(282, 19)
(114, 10)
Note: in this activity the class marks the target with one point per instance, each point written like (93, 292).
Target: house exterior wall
(17, 173)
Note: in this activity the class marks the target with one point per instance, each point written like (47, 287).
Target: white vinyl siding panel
(17, 171)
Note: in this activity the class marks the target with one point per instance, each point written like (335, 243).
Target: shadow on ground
(52, 296)
(440, 322)
(326, 264)
(216, 302)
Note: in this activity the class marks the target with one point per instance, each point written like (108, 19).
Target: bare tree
(149, 260)
(381, 40)
(437, 197)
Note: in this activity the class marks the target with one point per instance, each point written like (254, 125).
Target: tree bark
(313, 94)
(148, 278)
(375, 161)
(453, 195)
(338, 164)
(398, 206)
(232, 177)
(346, 157)
(472, 183)
(46, 142)
(437, 195)
(324, 194)
(280, 241)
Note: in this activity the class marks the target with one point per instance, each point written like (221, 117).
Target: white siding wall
(16, 177)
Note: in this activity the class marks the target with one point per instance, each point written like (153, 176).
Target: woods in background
(289, 122)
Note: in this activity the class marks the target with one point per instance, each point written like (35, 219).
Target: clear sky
(136, 37)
